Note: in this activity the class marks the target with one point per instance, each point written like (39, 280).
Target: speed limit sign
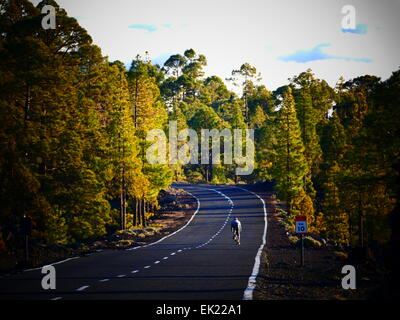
(301, 224)
(301, 227)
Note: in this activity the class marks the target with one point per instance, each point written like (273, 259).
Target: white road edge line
(82, 288)
(162, 239)
(248, 293)
(51, 264)
(56, 298)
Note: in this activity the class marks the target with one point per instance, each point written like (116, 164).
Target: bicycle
(236, 237)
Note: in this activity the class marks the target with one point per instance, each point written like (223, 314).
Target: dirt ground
(169, 219)
(172, 220)
(282, 277)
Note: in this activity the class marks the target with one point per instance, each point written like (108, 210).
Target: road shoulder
(282, 278)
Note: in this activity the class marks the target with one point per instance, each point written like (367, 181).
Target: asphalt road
(198, 262)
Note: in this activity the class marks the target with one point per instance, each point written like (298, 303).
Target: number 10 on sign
(301, 227)
(301, 224)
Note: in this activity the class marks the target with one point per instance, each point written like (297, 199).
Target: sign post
(301, 228)
(26, 230)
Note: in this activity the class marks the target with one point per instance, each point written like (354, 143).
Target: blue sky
(280, 38)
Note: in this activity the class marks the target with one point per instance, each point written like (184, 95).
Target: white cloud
(232, 32)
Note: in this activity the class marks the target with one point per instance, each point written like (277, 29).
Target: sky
(280, 38)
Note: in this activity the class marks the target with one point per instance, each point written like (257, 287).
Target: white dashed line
(226, 220)
(82, 288)
(56, 298)
(189, 248)
(121, 276)
(104, 280)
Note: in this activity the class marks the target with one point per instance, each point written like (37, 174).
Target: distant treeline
(73, 136)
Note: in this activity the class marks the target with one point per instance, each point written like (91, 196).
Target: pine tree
(335, 224)
(245, 77)
(148, 113)
(289, 165)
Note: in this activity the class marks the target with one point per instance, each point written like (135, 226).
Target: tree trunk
(121, 210)
(144, 213)
(134, 205)
(361, 223)
(27, 102)
(288, 197)
(139, 211)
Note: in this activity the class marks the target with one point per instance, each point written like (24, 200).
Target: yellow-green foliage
(74, 128)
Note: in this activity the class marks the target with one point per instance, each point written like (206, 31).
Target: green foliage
(289, 164)
(73, 132)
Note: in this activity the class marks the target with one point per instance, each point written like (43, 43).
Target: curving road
(199, 261)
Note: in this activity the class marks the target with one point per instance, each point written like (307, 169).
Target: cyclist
(236, 228)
